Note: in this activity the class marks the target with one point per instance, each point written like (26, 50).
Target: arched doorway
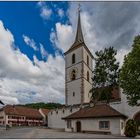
(78, 126)
(137, 119)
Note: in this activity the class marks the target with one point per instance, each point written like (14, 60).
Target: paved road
(46, 133)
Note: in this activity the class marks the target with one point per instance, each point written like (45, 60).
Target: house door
(78, 126)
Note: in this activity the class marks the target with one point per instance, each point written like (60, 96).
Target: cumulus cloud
(30, 42)
(104, 24)
(60, 13)
(43, 52)
(45, 11)
(21, 81)
(62, 38)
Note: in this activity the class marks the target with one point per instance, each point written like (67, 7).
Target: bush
(130, 128)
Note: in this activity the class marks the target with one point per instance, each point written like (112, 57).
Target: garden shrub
(130, 128)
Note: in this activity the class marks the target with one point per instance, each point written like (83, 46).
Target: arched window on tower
(73, 58)
(87, 60)
(73, 75)
(87, 76)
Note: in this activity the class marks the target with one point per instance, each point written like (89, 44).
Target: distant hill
(43, 105)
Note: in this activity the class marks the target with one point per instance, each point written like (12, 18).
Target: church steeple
(79, 39)
(79, 35)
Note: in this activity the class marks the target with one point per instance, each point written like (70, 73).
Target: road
(34, 132)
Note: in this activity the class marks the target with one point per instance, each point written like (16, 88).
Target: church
(79, 114)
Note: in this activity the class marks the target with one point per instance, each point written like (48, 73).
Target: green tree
(130, 74)
(131, 128)
(43, 105)
(105, 74)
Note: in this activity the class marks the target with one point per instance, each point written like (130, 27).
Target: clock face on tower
(73, 73)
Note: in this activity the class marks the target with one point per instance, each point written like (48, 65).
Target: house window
(68, 123)
(73, 94)
(73, 58)
(87, 76)
(87, 60)
(104, 124)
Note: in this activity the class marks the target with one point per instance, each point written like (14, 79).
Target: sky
(34, 36)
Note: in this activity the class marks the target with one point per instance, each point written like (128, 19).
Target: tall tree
(130, 74)
(105, 74)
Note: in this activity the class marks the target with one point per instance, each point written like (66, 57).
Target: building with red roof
(15, 115)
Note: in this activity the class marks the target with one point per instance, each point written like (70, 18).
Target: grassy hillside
(43, 105)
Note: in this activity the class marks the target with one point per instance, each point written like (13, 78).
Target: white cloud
(63, 37)
(21, 81)
(30, 42)
(60, 13)
(6, 38)
(120, 55)
(45, 11)
(43, 52)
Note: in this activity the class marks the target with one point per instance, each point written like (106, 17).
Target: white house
(78, 115)
(14, 115)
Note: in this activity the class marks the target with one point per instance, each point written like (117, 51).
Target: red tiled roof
(45, 111)
(102, 110)
(137, 117)
(115, 93)
(22, 111)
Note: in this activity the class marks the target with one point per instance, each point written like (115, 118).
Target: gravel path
(35, 132)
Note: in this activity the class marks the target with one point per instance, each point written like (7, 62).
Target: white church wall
(78, 57)
(93, 125)
(78, 67)
(74, 86)
(86, 68)
(124, 108)
(55, 119)
(87, 88)
(85, 53)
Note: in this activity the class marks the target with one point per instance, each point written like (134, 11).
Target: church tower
(78, 70)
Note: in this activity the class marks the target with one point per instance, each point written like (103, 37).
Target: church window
(73, 58)
(71, 109)
(73, 75)
(63, 111)
(87, 60)
(68, 123)
(73, 94)
(87, 76)
(104, 124)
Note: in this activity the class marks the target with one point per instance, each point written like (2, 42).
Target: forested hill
(43, 105)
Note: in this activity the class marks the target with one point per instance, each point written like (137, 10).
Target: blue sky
(34, 36)
(24, 18)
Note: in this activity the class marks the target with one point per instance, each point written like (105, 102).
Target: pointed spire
(79, 35)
